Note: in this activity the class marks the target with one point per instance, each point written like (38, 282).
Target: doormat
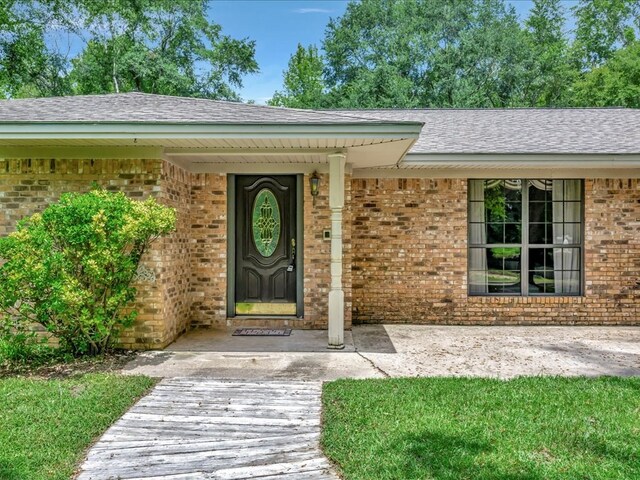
(262, 332)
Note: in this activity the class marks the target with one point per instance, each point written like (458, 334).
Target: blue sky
(278, 26)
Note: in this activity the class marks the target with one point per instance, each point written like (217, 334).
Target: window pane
(540, 190)
(541, 282)
(504, 258)
(494, 270)
(567, 233)
(512, 190)
(507, 282)
(541, 259)
(476, 212)
(513, 212)
(495, 212)
(567, 282)
(572, 190)
(572, 211)
(540, 233)
(503, 265)
(537, 212)
(512, 233)
(554, 270)
(566, 258)
(503, 201)
(477, 234)
(573, 233)
(495, 233)
(478, 270)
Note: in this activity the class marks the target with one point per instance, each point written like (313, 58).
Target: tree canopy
(471, 53)
(58, 47)
(303, 85)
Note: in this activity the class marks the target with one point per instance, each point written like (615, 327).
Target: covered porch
(321, 262)
(191, 154)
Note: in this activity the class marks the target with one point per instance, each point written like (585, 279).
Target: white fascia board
(25, 131)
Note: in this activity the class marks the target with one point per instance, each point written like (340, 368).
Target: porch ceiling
(361, 153)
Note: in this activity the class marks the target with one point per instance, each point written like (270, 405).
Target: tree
(69, 269)
(405, 53)
(469, 53)
(154, 46)
(368, 56)
(303, 82)
(602, 26)
(616, 83)
(28, 67)
(549, 70)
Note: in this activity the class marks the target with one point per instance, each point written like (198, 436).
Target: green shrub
(70, 268)
(19, 346)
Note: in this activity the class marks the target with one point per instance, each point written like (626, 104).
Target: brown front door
(265, 245)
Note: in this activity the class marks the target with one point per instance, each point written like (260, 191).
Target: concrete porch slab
(401, 350)
(222, 340)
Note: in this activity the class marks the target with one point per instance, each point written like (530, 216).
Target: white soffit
(361, 153)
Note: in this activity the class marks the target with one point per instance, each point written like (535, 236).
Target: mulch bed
(110, 362)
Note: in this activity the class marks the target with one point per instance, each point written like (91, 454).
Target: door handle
(292, 265)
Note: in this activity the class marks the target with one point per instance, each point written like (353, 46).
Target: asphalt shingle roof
(147, 108)
(445, 131)
(521, 130)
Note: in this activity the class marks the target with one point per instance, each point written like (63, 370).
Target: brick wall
(409, 240)
(29, 185)
(174, 252)
(209, 249)
(405, 256)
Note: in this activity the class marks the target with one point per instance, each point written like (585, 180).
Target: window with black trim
(525, 237)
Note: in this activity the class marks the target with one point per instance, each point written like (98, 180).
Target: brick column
(336, 294)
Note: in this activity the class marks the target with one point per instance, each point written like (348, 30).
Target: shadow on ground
(373, 339)
(601, 361)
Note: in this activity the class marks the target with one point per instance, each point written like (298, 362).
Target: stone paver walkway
(210, 429)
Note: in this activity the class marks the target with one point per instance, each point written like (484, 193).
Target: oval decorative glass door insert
(265, 222)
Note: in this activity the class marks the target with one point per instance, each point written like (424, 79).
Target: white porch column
(336, 294)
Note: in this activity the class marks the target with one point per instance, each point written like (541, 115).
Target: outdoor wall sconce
(314, 185)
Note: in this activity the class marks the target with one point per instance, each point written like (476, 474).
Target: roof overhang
(507, 165)
(211, 147)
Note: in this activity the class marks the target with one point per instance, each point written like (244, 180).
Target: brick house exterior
(392, 207)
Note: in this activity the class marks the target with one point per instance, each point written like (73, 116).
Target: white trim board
(158, 131)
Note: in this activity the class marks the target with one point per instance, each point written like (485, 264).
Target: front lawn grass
(459, 428)
(46, 425)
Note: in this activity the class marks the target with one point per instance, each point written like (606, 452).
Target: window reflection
(553, 239)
